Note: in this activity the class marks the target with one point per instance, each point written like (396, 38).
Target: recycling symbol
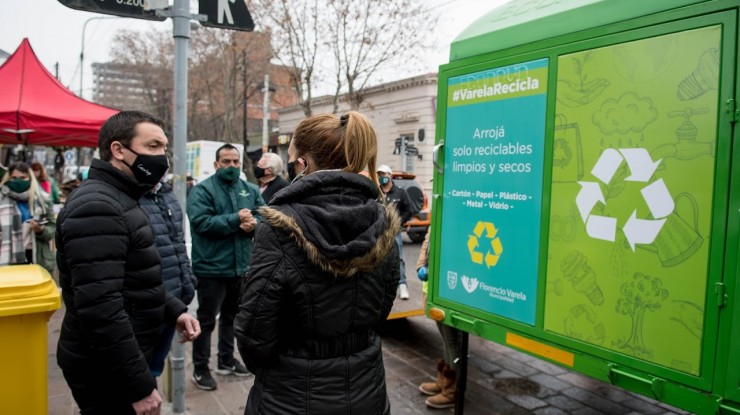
(492, 245)
(656, 195)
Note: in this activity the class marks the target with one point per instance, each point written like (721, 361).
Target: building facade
(400, 109)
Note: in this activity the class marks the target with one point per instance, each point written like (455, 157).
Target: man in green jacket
(223, 213)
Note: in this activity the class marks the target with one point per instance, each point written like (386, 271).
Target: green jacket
(220, 248)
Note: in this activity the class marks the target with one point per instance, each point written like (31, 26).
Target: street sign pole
(181, 33)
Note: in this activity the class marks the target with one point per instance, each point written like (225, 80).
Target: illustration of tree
(644, 293)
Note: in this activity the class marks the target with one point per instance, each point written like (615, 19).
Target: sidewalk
(501, 381)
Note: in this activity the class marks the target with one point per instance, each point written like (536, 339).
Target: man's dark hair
(121, 127)
(226, 146)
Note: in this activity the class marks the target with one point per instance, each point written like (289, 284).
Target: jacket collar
(336, 219)
(105, 172)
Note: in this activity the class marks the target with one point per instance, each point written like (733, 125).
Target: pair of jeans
(216, 295)
(161, 349)
(399, 244)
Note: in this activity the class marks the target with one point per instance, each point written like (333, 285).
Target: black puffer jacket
(324, 272)
(164, 212)
(111, 285)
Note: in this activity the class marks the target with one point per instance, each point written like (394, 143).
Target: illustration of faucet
(687, 147)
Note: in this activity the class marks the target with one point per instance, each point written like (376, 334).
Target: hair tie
(343, 120)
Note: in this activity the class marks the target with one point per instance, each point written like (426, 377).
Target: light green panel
(633, 168)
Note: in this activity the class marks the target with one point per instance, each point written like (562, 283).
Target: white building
(396, 109)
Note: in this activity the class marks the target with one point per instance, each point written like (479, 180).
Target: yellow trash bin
(28, 297)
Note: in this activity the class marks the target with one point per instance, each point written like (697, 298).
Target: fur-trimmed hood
(335, 218)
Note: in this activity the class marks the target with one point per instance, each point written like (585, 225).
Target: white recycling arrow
(607, 165)
(640, 163)
(641, 231)
(587, 198)
(602, 227)
(658, 199)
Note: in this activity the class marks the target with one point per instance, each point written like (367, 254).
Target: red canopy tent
(36, 109)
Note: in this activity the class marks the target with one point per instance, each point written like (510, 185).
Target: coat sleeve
(50, 227)
(404, 208)
(96, 259)
(423, 253)
(186, 270)
(255, 324)
(205, 220)
(391, 273)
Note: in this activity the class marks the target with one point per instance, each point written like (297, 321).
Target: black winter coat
(165, 216)
(400, 198)
(111, 285)
(324, 272)
(275, 185)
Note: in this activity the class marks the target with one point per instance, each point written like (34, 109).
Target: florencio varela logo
(470, 284)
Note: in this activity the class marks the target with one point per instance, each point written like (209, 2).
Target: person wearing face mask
(27, 220)
(323, 276)
(223, 213)
(46, 182)
(394, 194)
(111, 277)
(268, 171)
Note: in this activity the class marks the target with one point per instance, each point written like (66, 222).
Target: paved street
(501, 380)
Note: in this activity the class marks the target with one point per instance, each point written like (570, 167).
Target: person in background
(27, 220)
(48, 184)
(166, 218)
(110, 274)
(189, 183)
(324, 274)
(397, 196)
(223, 213)
(443, 391)
(269, 172)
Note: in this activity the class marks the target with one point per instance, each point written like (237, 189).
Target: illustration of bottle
(582, 277)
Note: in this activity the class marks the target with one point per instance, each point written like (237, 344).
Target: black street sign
(123, 8)
(226, 14)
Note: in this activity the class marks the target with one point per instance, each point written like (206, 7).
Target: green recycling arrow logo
(656, 195)
(492, 244)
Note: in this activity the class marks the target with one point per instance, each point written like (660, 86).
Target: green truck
(586, 200)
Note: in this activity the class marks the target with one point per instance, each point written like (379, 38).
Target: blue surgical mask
(384, 180)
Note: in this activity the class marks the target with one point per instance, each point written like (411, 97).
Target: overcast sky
(55, 33)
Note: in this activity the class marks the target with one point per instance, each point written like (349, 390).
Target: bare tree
(226, 70)
(298, 31)
(350, 41)
(372, 35)
(149, 58)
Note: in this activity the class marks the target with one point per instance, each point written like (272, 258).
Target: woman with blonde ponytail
(324, 273)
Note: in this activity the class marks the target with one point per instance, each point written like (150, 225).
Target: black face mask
(294, 175)
(148, 169)
(259, 172)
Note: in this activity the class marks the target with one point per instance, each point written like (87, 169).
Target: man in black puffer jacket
(110, 274)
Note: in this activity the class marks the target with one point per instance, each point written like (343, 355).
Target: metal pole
(82, 47)
(265, 113)
(181, 33)
(245, 138)
(462, 375)
(403, 153)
